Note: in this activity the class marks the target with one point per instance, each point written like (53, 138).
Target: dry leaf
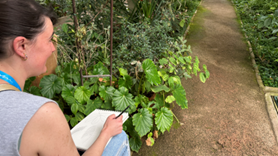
(152, 97)
(149, 142)
(155, 134)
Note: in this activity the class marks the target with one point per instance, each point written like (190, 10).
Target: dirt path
(227, 115)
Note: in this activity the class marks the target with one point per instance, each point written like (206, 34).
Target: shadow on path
(227, 115)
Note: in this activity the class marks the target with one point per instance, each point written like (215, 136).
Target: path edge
(191, 20)
(268, 91)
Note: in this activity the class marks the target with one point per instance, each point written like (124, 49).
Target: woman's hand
(113, 126)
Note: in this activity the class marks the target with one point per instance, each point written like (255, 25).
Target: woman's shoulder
(23, 97)
(48, 130)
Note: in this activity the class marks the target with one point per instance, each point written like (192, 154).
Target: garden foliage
(260, 23)
(149, 61)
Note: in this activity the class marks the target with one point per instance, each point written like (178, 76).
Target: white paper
(87, 131)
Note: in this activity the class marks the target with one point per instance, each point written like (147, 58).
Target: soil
(227, 115)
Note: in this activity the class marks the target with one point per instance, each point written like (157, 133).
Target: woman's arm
(48, 133)
(111, 127)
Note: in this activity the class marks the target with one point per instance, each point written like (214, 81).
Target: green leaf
(107, 105)
(276, 13)
(82, 94)
(163, 75)
(35, 90)
(174, 80)
(123, 72)
(81, 108)
(75, 77)
(100, 69)
(94, 88)
(65, 28)
(275, 31)
(267, 22)
(173, 60)
(182, 22)
(272, 38)
(141, 99)
(79, 116)
(181, 60)
(50, 85)
(142, 121)
(135, 142)
(202, 77)
(150, 139)
(28, 83)
(68, 94)
(74, 108)
(150, 134)
(106, 93)
(172, 68)
(67, 117)
(260, 25)
(160, 88)
(147, 86)
(164, 119)
(186, 76)
(196, 66)
(188, 59)
(151, 72)
(92, 105)
(129, 126)
(159, 101)
(125, 82)
(122, 98)
(207, 74)
(73, 121)
(180, 96)
(163, 61)
(170, 99)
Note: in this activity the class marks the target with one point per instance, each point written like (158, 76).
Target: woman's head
(24, 18)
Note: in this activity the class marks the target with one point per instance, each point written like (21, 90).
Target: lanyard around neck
(6, 77)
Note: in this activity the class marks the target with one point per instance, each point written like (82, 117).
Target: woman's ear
(20, 46)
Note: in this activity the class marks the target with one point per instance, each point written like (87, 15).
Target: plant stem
(176, 118)
(78, 43)
(163, 98)
(140, 85)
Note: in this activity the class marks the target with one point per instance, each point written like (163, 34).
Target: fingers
(113, 126)
(120, 118)
(112, 116)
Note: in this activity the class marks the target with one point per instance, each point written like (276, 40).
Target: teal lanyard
(6, 77)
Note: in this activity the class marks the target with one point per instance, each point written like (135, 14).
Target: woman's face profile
(41, 49)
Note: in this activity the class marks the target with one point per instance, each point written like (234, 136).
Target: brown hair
(21, 18)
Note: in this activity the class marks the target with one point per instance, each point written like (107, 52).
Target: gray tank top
(16, 109)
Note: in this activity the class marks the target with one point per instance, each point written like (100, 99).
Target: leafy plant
(147, 69)
(147, 115)
(260, 23)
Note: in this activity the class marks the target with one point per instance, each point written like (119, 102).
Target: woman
(32, 125)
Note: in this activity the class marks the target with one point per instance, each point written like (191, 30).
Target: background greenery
(150, 58)
(260, 23)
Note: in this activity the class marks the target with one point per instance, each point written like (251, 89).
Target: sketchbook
(87, 131)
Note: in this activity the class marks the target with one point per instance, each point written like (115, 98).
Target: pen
(122, 111)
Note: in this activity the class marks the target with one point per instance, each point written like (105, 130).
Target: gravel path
(227, 115)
